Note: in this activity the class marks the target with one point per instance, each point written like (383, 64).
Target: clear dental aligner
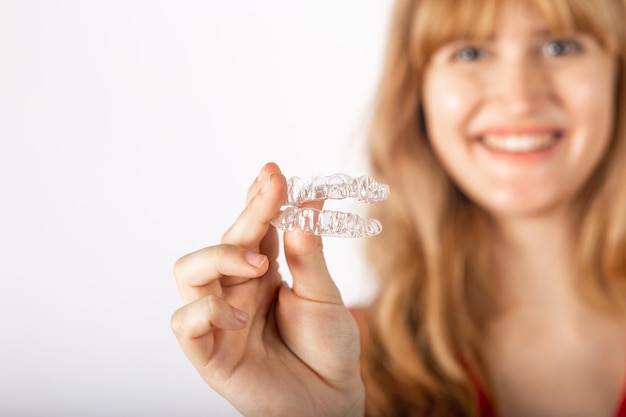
(335, 187)
(325, 223)
(294, 218)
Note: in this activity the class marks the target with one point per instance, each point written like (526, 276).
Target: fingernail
(255, 259)
(241, 316)
(266, 184)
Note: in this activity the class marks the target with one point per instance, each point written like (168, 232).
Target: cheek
(591, 109)
(592, 97)
(448, 103)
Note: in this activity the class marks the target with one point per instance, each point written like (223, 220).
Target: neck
(533, 258)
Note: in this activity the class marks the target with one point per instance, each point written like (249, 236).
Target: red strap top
(621, 411)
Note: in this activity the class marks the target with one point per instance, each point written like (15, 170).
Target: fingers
(208, 279)
(194, 324)
(266, 170)
(197, 273)
(305, 258)
(266, 196)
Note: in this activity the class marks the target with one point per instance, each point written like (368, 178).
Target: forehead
(437, 22)
(519, 17)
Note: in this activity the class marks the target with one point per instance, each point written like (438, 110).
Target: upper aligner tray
(294, 218)
(335, 187)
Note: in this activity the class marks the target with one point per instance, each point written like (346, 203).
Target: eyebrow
(545, 33)
(538, 34)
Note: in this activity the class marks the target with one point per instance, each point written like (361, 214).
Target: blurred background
(129, 133)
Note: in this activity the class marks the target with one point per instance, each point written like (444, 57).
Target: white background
(129, 133)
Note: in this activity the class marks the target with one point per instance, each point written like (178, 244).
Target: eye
(561, 47)
(469, 53)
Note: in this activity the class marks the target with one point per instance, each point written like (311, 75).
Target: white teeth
(519, 143)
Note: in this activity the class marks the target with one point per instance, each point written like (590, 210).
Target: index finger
(254, 221)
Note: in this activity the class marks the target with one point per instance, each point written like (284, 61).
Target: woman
(500, 128)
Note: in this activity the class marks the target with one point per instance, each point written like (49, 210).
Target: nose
(520, 84)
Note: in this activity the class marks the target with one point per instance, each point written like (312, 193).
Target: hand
(269, 349)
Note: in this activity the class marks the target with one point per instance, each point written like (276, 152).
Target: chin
(523, 209)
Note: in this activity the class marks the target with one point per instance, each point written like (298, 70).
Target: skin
(549, 352)
(278, 351)
(516, 87)
(269, 349)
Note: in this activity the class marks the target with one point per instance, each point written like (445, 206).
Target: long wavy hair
(425, 328)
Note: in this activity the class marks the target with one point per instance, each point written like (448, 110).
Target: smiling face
(520, 119)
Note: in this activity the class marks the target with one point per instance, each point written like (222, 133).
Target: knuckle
(179, 269)
(221, 251)
(309, 247)
(232, 234)
(226, 237)
(212, 302)
(219, 256)
(177, 323)
(252, 191)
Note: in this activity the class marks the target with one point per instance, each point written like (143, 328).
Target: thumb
(305, 257)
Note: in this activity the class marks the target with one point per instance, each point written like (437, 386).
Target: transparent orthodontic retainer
(294, 218)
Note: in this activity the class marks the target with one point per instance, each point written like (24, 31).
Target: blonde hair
(423, 340)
